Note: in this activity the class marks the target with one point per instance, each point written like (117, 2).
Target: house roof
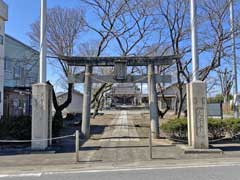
(23, 44)
(171, 85)
(63, 93)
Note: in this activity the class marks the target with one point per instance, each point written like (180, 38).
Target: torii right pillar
(153, 102)
(86, 114)
(197, 115)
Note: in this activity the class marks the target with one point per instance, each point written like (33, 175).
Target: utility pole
(195, 62)
(234, 65)
(43, 48)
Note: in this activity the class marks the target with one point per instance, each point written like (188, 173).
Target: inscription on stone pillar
(200, 102)
(200, 122)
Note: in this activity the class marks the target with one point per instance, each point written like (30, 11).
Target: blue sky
(22, 13)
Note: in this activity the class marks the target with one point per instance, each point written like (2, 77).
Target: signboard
(215, 109)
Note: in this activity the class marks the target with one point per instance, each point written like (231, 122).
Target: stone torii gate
(120, 75)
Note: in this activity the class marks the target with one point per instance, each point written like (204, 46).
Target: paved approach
(167, 173)
(125, 138)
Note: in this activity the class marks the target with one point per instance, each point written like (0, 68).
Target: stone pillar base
(197, 115)
(41, 115)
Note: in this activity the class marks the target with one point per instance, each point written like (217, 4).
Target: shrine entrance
(120, 75)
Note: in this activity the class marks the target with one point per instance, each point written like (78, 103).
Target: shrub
(16, 128)
(176, 128)
(57, 124)
(232, 126)
(20, 128)
(216, 128)
(4, 129)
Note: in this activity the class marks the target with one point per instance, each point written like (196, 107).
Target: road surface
(227, 172)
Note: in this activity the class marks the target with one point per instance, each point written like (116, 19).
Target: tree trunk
(181, 99)
(58, 118)
(176, 105)
(162, 114)
(180, 107)
(225, 99)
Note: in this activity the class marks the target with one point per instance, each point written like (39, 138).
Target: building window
(5, 64)
(8, 65)
(1, 39)
(17, 71)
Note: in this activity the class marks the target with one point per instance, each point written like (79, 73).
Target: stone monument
(197, 115)
(41, 115)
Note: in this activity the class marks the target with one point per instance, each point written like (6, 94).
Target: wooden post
(77, 145)
(153, 101)
(86, 115)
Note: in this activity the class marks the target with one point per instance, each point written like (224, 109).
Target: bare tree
(63, 28)
(123, 24)
(213, 34)
(226, 83)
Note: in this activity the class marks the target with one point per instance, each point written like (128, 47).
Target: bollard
(77, 145)
(150, 143)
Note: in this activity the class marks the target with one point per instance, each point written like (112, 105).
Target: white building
(75, 106)
(3, 18)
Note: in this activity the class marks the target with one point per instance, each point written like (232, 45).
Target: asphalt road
(171, 173)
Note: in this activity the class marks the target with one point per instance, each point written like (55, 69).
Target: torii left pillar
(86, 115)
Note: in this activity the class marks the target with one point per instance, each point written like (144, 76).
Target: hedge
(232, 126)
(176, 128)
(217, 128)
(17, 128)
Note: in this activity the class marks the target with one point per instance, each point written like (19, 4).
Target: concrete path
(119, 142)
(121, 129)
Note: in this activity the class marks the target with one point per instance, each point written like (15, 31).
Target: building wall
(75, 106)
(21, 64)
(3, 18)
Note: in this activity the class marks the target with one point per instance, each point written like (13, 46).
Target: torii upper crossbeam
(111, 61)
